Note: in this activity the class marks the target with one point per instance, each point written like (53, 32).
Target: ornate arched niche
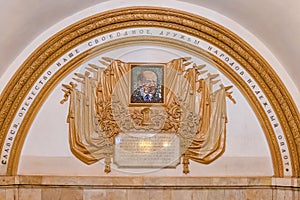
(175, 32)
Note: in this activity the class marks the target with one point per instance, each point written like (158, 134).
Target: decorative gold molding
(19, 86)
(172, 112)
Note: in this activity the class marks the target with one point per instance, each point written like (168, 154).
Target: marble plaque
(144, 150)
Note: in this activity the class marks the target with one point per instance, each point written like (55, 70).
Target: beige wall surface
(172, 188)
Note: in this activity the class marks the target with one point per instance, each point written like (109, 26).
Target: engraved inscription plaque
(146, 150)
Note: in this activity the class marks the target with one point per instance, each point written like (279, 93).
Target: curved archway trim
(221, 40)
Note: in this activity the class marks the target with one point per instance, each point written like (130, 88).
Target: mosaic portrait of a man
(146, 84)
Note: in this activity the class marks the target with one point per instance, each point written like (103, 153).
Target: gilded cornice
(60, 43)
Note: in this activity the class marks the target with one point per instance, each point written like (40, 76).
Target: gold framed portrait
(147, 84)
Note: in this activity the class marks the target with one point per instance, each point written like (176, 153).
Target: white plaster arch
(209, 14)
(188, 7)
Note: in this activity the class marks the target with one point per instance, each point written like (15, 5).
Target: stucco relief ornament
(177, 98)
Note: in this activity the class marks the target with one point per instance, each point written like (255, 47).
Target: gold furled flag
(177, 97)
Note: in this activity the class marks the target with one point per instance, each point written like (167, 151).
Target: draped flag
(177, 97)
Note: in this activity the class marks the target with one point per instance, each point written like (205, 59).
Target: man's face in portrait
(148, 82)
